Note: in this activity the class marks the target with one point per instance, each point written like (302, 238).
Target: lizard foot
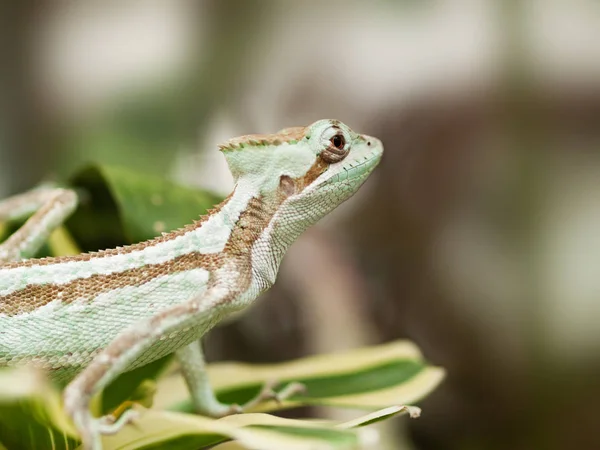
(268, 393)
(214, 408)
(110, 425)
(91, 428)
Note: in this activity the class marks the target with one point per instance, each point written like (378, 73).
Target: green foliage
(31, 416)
(119, 207)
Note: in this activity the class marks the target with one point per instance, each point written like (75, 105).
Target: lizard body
(87, 318)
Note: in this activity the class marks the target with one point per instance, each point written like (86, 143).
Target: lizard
(87, 318)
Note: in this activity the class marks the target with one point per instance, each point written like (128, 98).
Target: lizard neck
(256, 241)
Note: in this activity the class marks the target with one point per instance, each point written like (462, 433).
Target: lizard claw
(289, 391)
(234, 408)
(110, 425)
(268, 393)
(92, 429)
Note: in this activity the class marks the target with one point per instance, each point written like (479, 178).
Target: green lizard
(88, 318)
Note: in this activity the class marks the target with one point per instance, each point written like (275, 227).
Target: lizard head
(300, 174)
(318, 166)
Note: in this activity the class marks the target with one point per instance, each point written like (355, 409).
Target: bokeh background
(478, 236)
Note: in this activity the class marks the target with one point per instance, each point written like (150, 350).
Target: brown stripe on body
(34, 296)
(317, 169)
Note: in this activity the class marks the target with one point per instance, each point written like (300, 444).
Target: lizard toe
(109, 425)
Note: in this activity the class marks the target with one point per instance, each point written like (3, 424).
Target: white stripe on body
(211, 237)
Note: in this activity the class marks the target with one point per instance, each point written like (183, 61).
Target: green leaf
(381, 415)
(155, 430)
(61, 243)
(368, 378)
(130, 385)
(121, 206)
(30, 413)
(3, 230)
(159, 429)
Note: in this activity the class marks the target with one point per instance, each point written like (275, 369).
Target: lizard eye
(338, 141)
(336, 150)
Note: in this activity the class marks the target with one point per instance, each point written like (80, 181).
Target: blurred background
(477, 237)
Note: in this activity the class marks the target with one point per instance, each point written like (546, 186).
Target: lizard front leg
(123, 351)
(50, 207)
(193, 367)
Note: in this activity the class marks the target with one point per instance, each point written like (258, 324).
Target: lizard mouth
(359, 166)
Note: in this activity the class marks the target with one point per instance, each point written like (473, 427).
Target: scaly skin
(90, 317)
